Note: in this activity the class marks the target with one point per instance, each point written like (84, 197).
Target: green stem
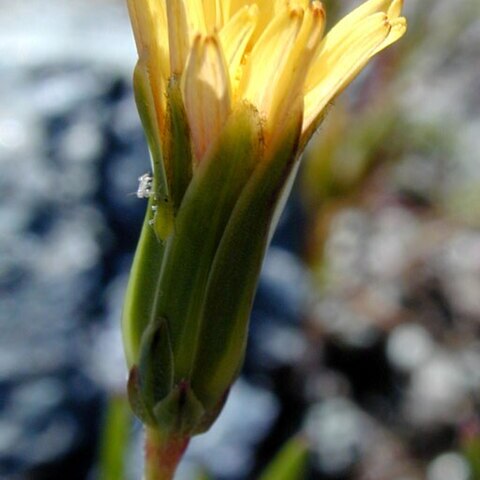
(162, 454)
(114, 441)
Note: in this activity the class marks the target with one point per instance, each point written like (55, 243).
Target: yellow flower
(228, 91)
(269, 53)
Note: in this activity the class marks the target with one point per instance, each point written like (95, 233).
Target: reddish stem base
(162, 454)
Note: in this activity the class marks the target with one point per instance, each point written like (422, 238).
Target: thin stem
(114, 442)
(162, 454)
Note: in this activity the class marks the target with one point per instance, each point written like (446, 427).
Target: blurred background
(365, 330)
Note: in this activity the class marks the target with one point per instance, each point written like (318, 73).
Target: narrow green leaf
(204, 476)
(290, 463)
(114, 441)
(471, 450)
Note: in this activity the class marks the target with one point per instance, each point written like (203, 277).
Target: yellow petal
(220, 17)
(141, 25)
(266, 11)
(196, 15)
(210, 13)
(234, 38)
(206, 93)
(292, 4)
(227, 10)
(289, 91)
(268, 59)
(344, 27)
(179, 35)
(215, 14)
(234, 6)
(343, 61)
(398, 29)
(149, 22)
(395, 9)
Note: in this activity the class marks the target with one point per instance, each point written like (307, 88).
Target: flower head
(228, 92)
(270, 53)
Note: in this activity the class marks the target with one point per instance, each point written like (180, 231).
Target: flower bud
(228, 95)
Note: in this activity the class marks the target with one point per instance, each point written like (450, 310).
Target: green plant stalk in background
(290, 463)
(114, 441)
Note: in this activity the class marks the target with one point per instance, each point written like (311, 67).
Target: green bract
(197, 264)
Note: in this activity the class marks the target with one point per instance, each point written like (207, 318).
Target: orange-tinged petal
(206, 92)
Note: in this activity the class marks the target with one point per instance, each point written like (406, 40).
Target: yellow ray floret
(206, 91)
(234, 38)
(270, 53)
(268, 59)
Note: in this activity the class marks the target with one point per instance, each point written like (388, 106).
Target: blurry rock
(391, 242)
(37, 398)
(459, 265)
(125, 123)
(438, 392)
(50, 263)
(419, 176)
(335, 317)
(282, 300)
(80, 147)
(71, 246)
(50, 440)
(386, 457)
(348, 443)
(365, 257)
(343, 249)
(274, 345)
(409, 346)
(336, 430)
(469, 357)
(14, 134)
(290, 231)
(105, 360)
(20, 360)
(326, 384)
(60, 90)
(449, 466)
(284, 289)
(10, 434)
